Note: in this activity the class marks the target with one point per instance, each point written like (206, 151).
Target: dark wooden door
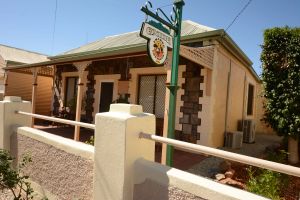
(106, 96)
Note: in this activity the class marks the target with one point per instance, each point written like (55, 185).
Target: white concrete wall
(123, 163)
(62, 168)
(194, 185)
(117, 146)
(9, 118)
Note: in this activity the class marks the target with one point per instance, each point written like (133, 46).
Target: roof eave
(11, 62)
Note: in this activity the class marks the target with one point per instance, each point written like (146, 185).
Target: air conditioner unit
(248, 127)
(234, 139)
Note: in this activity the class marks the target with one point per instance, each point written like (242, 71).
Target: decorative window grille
(152, 91)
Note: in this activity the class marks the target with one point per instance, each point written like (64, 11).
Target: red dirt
(289, 192)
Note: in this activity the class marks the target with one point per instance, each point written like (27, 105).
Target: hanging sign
(159, 40)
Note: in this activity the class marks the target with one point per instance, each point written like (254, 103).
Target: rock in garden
(219, 176)
(229, 173)
(225, 166)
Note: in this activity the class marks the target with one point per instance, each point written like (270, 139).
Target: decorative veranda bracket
(81, 66)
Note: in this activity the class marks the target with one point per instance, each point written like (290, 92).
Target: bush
(280, 76)
(266, 183)
(90, 141)
(12, 179)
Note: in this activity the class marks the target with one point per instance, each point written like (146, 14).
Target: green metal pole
(174, 80)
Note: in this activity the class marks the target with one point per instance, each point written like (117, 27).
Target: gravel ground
(6, 195)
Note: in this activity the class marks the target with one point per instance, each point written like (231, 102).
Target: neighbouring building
(20, 82)
(217, 84)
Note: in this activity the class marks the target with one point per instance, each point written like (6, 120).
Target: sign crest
(159, 40)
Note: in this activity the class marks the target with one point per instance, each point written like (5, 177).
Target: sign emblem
(159, 40)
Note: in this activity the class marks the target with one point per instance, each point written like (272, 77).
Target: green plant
(266, 183)
(72, 103)
(14, 180)
(281, 81)
(90, 141)
(279, 156)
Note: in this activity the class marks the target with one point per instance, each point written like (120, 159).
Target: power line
(54, 27)
(243, 9)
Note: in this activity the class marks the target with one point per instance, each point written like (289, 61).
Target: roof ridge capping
(121, 34)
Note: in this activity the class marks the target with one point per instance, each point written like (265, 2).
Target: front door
(106, 96)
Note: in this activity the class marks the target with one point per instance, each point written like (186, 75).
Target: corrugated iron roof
(20, 55)
(133, 38)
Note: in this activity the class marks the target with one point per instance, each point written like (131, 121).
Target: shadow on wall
(153, 190)
(153, 182)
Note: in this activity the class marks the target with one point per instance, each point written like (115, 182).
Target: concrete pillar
(117, 147)
(9, 119)
(81, 66)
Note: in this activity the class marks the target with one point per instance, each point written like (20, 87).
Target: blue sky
(29, 24)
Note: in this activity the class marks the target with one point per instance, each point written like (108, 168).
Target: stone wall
(192, 92)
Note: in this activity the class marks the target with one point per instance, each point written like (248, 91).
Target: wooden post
(34, 90)
(53, 89)
(81, 66)
(5, 82)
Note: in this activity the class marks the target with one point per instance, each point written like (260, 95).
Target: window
(250, 99)
(152, 91)
(71, 91)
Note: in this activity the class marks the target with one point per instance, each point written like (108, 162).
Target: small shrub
(90, 141)
(266, 183)
(279, 156)
(12, 179)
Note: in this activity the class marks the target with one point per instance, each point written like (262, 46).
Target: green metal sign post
(175, 25)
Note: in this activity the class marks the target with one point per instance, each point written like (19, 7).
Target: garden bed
(290, 191)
